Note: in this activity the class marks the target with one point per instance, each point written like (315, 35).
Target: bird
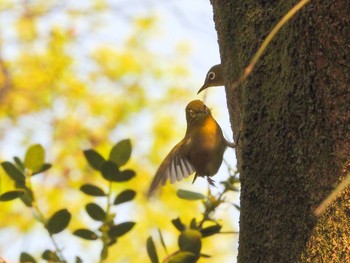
(200, 151)
(213, 78)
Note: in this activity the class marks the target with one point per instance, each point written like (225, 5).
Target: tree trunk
(293, 114)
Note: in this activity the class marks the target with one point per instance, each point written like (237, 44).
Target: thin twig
(105, 240)
(322, 207)
(41, 217)
(267, 41)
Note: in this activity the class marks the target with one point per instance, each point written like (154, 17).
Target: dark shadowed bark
(294, 117)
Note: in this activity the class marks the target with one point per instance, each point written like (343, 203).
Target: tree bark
(293, 114)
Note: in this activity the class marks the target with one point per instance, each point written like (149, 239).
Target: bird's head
(196, 112)
(214, 78)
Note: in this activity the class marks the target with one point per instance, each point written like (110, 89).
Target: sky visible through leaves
(86, 75)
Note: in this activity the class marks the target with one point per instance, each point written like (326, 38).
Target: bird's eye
(211, 75)
(192, 113)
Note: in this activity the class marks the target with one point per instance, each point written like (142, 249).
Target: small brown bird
(214, 78)
(200, 151)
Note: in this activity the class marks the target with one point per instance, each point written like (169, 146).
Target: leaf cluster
(112, 172)
(191, 235)
(110, 169)
(21, 173)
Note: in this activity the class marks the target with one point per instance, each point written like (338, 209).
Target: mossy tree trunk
(293, 114)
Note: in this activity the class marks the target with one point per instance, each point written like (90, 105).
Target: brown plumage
(213, 78)
(200, 151)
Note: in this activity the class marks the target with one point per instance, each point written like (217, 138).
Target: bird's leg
(211, 181)
(234, 144)
(231, 144)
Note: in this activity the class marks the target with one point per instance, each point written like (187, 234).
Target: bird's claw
(211, 181)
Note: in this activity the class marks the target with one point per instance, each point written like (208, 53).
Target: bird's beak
(202, 88)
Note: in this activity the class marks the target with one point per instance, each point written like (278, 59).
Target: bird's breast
(208, 135)
(207, 147)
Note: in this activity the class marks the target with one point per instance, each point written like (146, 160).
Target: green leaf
(104, 253)
(14, 173)
(125, 196)
(178, 224)
(162, 241)
(151, 250)
(45, 167)
(210, 230)
(125, 175)
(94, 159)
(85, 234)
(28, 197)
(25, 257)
(34, 158)
(95, 211)
(92, 190)
(190, 240)
(193, 224)
(204, 255)
(189, 195)
(110, 171)
(121, 152)
(112, 241)
(19, 164)
(11, 195)
(184, 257)
(50, 256)
(121, 229)
(58, 221)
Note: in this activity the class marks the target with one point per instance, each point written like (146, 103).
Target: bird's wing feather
(174, 167)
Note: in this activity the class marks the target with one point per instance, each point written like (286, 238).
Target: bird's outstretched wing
(174, 167)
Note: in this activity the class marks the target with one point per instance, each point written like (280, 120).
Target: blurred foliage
(21, 172)
(108, 231)
(70, 80)
(191, 236)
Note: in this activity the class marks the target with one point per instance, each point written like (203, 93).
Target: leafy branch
(108, 232)
(22, 172)
(190, 238)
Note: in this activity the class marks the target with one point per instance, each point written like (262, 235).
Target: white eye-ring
(211, 75)
(191, 112)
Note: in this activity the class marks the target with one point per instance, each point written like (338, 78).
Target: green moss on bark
(294, 111)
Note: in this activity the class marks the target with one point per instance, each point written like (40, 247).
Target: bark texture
(293, 114)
